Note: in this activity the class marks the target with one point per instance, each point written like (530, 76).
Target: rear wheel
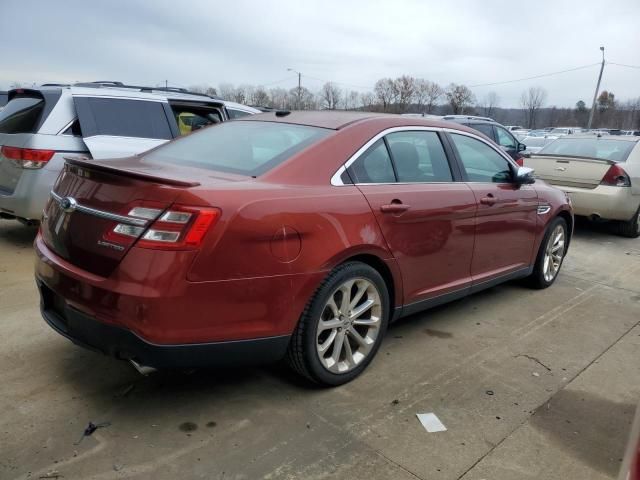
(550, 255)
(341, 328)
(630, 228)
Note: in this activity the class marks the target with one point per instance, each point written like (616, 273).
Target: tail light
(616, 177)
(180, 228)
(520, 161)
(28, 158)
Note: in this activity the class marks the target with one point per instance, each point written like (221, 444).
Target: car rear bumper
(606, 202)
(121, 343)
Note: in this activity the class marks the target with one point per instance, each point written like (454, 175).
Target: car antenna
(282, 113)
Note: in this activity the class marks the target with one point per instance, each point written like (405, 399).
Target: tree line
(407, 94)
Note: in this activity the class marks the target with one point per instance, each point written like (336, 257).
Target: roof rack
(468, 117)
(109, 83)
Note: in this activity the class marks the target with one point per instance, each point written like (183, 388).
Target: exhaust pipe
(142, 369)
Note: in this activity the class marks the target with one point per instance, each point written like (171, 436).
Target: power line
(535, 76)
(290, 77)
(623, 65)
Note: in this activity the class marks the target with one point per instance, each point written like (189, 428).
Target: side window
(190, 120)
(122, 118)
(481, 162)
(419, 157)
(485, 128)
(236, 113)
(505, 139)
(374, 166)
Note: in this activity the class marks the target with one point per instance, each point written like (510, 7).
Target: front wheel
(551, 254)
(342, 326)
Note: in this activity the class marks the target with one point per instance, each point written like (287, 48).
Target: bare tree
(385, 92)
(433, 93)
(260, 97)
(350, 100)
(279, 98)
(404, 87)
(227, 91)
(489, 103)
(531, 101)
(368, 101)
(459, 97)
(330, 95)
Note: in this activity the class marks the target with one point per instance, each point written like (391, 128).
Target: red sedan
(297, 235)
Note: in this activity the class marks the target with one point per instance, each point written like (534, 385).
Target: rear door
(507, 212)
(425, 215)
(120, 127)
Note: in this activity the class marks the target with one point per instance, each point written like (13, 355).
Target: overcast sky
(352, 43)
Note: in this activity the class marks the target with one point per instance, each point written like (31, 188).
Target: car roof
(127, 91)
(336, 120)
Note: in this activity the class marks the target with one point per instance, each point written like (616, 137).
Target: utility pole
(298, 100)
(595, 95)
(166, 84)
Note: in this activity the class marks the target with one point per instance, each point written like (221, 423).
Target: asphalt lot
(562, 365)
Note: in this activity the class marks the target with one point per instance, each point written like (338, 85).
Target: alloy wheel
(553, 253)
(349, 325)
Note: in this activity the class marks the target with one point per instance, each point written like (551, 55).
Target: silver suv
(41, 126)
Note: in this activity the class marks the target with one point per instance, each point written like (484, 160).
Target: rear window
(122, 118)
(602, 148)
(246, 148)
(21, 115)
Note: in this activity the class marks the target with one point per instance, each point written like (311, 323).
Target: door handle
(488, 200)
(394, 207)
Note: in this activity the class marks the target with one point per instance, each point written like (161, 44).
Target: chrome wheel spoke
(340, 346)
(323, 347)
(329, 324)
(364, 307)
(554, 252)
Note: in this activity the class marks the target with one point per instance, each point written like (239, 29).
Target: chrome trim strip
(138, 222)
(544, 209)
(336, 181)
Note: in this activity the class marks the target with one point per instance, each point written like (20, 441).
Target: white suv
(41, 126)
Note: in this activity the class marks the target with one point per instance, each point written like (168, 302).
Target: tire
(630, 228)
(542, 276)
(329, 347)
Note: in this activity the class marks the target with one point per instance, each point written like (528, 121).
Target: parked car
(3, 99)
(535, 144)
(513, 127)
(40, 126)
(496, 132)
(558, 131)
(600, 174)
(632, 132)
(288, 234)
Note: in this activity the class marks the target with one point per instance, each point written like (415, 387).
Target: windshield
(601, 148)
(246, 148)
(535, 141)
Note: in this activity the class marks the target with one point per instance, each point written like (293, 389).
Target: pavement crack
(534, 359)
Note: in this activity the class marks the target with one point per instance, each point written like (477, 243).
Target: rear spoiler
(85, 162)
(573, 157)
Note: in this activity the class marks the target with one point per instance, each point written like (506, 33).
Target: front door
(506, 215)
(426, 217)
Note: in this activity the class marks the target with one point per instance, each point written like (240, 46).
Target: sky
(351, 43)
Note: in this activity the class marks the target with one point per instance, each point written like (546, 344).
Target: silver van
(40, 126)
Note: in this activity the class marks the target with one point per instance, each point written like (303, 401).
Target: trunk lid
(569, 171)
(84, 235)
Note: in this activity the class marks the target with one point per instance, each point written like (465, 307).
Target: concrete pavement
(530, 384)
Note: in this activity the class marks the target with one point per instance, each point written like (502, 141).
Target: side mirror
(522, 147)
(524, 176)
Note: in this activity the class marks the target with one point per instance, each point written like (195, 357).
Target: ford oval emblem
(68, 204)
